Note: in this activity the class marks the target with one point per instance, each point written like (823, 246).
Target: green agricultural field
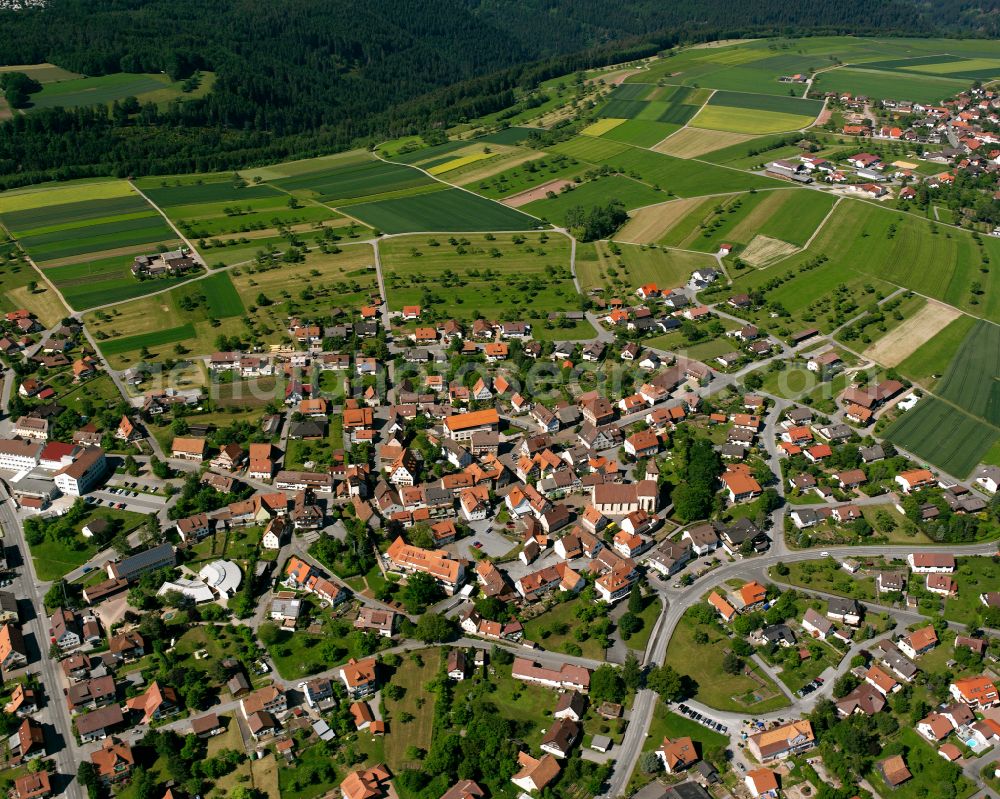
(823, 296)
(57, 215)
(641, 132)
(944, 435)
(353, 181)
(528, 175)
(788, 215)
(595, 192)
(509, 276)
(451, 210)
(157, 338)
(222, 299)
(105, 89)
(781, 104)
(685, 178)
(43, 73)
(930, 360)
(89, 284)
(346, 279)
(189, 190)
(971, 378)
(881, 84)
(96, 237)
(906, 251)
(748, 120)
(589, 149)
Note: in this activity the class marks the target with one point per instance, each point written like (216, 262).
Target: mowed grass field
(85, 235)
(509, 276)
(956, 428)
(740, 112)
(971, 380)
(192, 315)
(641, 132)
(930, 361)
(693, 142)
(450, 210)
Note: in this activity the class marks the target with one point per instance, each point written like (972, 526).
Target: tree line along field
(84, 236)
(909, 252)
(786, 215)
(502, 276)
(534, 172)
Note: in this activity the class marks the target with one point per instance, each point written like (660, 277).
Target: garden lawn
(827, 576)
(530, 706)
(928, 768)
(411, 676)
(53, 559)
(974, 576)
(314, 773)
(666, 724)
(543, 630)
(650, 613)
(716, 688)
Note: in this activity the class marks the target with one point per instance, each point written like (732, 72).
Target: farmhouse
(173, 263)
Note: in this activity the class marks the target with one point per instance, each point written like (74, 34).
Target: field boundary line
(166, 218)
(195, 279)
(41, 272)
(685, 125)
(452, 185)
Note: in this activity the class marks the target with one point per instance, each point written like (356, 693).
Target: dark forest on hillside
(304, 76)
